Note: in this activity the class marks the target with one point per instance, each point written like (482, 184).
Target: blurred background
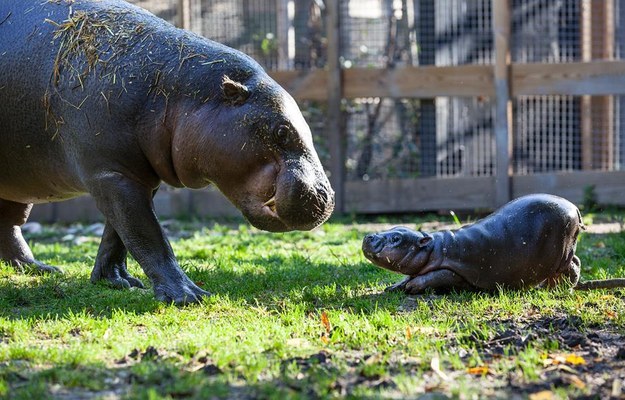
(420, 105)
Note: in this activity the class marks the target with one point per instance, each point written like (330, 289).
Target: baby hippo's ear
(234, 93)
(425, 240)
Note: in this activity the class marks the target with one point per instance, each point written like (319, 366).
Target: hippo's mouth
(269, 207)
(285, 198)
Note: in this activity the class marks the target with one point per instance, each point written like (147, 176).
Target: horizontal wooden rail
(419, 82)
(420, 194)
(470, 193)
(576, 78)
(579, 78)
(304, 85)
(609, 186)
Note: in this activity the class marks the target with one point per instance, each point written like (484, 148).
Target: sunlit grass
(262, 332)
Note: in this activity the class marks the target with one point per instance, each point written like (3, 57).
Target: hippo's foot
(439, 280)
(116, 276)
(110, 265)
(13, 248)
(399, 286)
(179, 291)
(34, 266)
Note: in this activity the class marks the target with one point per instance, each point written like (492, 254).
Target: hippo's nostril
(325, 195)
(374, 243)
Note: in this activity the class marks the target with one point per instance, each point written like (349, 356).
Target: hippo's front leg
(442, 279)
(110, 263)
(128, 208)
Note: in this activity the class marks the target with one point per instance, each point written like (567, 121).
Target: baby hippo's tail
(601, 284)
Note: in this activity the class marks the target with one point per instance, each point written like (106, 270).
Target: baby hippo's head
(398, 249)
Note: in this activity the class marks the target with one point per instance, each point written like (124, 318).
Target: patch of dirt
(599, 370)
(589, 358)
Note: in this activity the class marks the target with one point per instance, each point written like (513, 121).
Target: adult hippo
(102, 97)
(528, 242)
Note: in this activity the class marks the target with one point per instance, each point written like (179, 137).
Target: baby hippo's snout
(398, 249)
(374, 243)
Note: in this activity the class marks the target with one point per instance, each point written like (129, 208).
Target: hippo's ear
(234, 93)
(424, 241)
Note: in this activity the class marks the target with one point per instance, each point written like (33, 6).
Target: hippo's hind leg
(13, 247)
(110, 263)
(439, 280)
(568, 274)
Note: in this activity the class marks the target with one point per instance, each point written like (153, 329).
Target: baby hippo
(528, 242)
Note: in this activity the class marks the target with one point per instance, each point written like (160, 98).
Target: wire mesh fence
(443, 136)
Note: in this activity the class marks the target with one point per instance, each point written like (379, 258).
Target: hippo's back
(80, 79)
(525, 242)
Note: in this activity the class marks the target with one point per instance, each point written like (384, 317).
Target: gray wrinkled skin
(528, 242)
(104, 98)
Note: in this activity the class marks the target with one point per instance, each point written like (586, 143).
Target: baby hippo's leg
(569, 274)
(401, 285)
(442, 279)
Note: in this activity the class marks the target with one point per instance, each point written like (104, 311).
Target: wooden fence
(501, 82)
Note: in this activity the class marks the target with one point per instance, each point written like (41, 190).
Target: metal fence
(443, 103)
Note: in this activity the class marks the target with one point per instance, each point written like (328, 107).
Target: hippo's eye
(282, 133)
(396, 238)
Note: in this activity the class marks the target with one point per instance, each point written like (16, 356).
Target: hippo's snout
(303, 196)
(303, 206)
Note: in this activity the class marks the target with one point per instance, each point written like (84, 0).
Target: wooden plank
(303, 85)
(334, 125)
(422, 194)
(282, 30)
(609, 185)
(578, 78)
(405, 82)
(503, 105)
(585, 103)
(419, 82)
(184, 14)
(602, 106)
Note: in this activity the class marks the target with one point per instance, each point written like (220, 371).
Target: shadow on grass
(270, 281)
(54, 295)
(158, 376)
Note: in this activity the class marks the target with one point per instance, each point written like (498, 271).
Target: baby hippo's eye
(395, 238)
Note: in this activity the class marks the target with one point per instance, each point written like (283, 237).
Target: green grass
(263, 333)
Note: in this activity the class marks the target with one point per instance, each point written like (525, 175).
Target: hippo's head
(255, 145)
(399, 249)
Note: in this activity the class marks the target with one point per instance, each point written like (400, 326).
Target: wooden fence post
(282, 34)
(503, 105)
(335, 93)
(184, 14)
